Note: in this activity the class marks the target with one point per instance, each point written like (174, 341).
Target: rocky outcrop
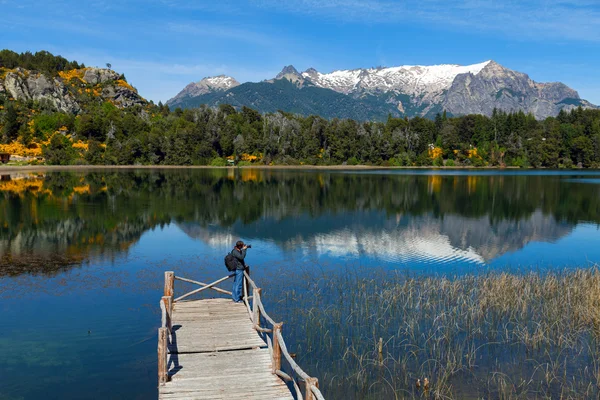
(291, 74)
(67, 91)
(499, 87)
(122, 97)
(96, 76)
(24, 85)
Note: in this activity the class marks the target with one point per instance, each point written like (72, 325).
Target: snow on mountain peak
(209, 84)
(220, 82)
(409, 79)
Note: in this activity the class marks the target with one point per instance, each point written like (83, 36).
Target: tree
(95, 153)
(11, 123)
(59, 151)
(583, 150)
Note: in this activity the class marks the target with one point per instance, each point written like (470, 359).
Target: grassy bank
(497, 335)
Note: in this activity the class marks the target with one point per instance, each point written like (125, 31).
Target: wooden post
(380, 350)
(245, 289)
(308, 395)
(255, 308)
(162, 356)
(168, 302)
(276, 348)
(169, 283)
(246, 284)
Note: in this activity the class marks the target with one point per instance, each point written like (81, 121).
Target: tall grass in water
(497, 335)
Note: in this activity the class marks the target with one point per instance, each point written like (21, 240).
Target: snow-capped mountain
(207, 85)
(408, 79)
(375, 93)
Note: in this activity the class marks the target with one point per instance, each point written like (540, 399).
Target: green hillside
(282, 94)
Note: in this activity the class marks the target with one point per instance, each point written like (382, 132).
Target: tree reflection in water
(56, 219)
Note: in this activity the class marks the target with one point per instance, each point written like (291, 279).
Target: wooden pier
(218, 349)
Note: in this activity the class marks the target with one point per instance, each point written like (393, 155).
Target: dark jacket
(239, 256)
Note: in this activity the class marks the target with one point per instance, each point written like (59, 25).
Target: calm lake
(82, 255)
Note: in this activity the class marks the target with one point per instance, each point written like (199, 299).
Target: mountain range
(375, 93)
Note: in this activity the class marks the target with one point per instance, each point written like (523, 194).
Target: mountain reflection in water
(56, 220)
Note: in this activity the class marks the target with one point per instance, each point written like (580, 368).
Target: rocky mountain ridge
(219, 83)
(401, 91)
(69, 90)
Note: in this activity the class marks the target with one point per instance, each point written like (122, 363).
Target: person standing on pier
(239, 252)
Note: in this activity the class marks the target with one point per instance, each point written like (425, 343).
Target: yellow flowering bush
(473, 153)
(18, 149)
(73, 74)
(249, 157)
(435, 152)
(122, 83)
(80, 145)
(4, 72)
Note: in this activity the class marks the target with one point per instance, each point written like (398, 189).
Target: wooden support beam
(203, 284)
(163, 313)
(163, 375)
(203, 288)
(246, 283)
(276, 347)
(245, 290)
(246, 298)
(255, 308)
(309, 395)
(168, 302)
(169, 283)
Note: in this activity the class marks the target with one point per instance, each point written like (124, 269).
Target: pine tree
(11, 123)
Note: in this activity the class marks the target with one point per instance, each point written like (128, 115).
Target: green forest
(42, 61)
(102, 133)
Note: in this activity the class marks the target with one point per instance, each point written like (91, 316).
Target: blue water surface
(83, 254)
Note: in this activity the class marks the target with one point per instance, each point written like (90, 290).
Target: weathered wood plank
(216, 354)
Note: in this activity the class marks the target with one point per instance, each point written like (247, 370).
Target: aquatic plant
(374, 334)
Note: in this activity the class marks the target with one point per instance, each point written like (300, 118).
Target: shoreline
(26, 168)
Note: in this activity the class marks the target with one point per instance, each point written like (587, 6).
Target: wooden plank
(216, 354)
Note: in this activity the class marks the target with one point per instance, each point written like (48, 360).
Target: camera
(249, 246)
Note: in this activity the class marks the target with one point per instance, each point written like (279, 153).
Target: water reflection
(403, 239)
(54, 220)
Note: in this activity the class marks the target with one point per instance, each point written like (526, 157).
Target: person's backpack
(231, 262)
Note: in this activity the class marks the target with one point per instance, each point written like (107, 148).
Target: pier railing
(270, 331)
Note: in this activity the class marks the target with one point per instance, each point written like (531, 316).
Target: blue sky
(162, 45)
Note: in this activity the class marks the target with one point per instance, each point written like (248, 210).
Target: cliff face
(499, 87)
(68, 91)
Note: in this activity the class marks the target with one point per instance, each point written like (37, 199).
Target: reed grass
(496, 335)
